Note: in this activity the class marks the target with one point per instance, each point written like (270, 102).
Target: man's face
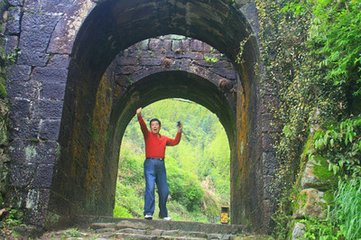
(154, 127)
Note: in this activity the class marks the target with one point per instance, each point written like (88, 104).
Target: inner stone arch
(91, 126)
(185, 156)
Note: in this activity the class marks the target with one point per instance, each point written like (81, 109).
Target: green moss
(323, 173)
(1, 201)
(307, 150)
(321, 169)
(30, 153)
(299, 201)
(3, 92)
(3, 133)
(329, 197)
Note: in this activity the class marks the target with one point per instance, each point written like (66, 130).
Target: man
(154, 168)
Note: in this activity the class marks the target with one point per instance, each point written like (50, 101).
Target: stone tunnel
(84, 67)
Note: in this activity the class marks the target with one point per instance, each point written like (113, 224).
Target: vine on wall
(313, 62)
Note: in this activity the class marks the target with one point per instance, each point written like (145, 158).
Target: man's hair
(155, 120)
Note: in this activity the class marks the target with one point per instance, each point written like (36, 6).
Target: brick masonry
(46, 101)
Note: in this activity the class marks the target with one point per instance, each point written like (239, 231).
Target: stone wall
(4, 158)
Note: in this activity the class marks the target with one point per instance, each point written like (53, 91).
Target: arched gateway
(81, 175)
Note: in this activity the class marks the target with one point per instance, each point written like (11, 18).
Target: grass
(348, 208)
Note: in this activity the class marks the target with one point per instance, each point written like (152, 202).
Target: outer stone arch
(113, 26)
(173, 84)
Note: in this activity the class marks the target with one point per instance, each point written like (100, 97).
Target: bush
(184, 187)
(341, 145)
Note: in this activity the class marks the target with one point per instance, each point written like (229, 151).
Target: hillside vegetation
(197, 169)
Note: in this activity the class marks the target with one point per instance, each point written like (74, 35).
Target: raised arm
(176, 140)
(142, 124)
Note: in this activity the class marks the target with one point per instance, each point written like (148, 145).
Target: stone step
(98, 223)
(127, 229)
(156, 234)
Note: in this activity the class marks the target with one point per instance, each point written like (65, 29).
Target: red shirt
(155, 143)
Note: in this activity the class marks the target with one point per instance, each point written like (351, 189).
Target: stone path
(151, 229)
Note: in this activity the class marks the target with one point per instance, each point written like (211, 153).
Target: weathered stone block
(22, 175)
(267, 142)
(316, 175)
(225, 72)
(49, 129)
(129, 69)
(196, 46)
(298, 231)
(177, 46)
(59, 61)
(15, 2)
(47, 6)
(33, 58)
(310, 203)
(36, 204)
(250, 11)
(269, 102)
(150, 61)
(161, 46)
(188, 55)
(61, 42)
(52, 91)
(268, 188)
(18, 73)
(48, 109)
(143, 45)
(20, 108)
(49, 74)
(268, 123)
(13, 23)
(36, 30)
(123, 61)
(11, 44)
(43, 176)
(269, 163)
(23, 128)
(33, 151)
(28, 90)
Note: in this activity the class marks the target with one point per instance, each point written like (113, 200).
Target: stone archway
(113, 26)
(50, 34)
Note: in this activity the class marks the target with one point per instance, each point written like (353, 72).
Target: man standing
(154, 168)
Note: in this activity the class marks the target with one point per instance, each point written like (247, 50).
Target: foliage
(14, 218)
(319, 229)
(341, 145)
(185, 187)
(312, 59)
(213, 56)
(336, 30)
(72, 233)
(344, 219)
(197, 169)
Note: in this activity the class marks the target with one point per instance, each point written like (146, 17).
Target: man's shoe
(167, 218)
(148, 217)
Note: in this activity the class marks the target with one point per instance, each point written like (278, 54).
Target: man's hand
(139, 111)
(180, 126)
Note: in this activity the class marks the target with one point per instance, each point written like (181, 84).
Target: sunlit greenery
(312, 52)
(197, 169)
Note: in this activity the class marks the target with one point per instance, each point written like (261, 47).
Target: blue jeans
(155, 173)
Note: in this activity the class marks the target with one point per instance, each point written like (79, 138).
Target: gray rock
(311, 204)
(298, 231)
